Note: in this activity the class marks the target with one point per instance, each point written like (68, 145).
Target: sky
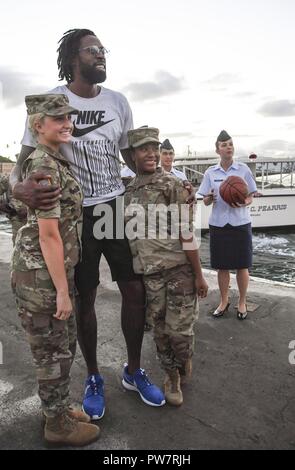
(189, 67)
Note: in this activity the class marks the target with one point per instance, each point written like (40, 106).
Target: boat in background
(273, 204)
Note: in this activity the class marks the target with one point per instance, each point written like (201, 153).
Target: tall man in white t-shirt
(100, 132)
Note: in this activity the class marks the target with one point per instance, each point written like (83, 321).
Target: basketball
(234, 190)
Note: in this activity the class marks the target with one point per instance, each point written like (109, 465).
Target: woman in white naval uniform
(230, 226)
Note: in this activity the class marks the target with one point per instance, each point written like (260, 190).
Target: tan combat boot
(75, 413)
(172, 388)
(66, 431)
(186, 372)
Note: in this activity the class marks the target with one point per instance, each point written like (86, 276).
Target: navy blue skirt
(231, 247)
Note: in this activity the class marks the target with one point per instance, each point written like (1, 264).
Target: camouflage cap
(50, 104)
(143, 135)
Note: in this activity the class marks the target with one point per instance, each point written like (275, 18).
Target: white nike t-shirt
(100, 131)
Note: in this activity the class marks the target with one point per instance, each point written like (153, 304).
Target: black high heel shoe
(242, 315)
(219, 313)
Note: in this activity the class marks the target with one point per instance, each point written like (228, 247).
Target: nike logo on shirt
(78, 132)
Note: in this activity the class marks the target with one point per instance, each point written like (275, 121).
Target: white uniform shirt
(222, 213)
(178, 174)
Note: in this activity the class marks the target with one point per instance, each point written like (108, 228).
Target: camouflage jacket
(157, 245)
(27, 254)
(4, 184)
(6, 196)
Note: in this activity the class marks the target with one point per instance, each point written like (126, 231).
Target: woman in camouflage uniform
(168, 261)
(46, 252)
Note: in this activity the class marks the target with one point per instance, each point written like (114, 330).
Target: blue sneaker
(139, 382)
(93, 402)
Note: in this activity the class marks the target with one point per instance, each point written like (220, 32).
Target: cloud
(221, 82)
(222, 89)
(244, 94)
(14, 85)
(278, 108)
(245, 135)
(276, 148)
(164, 84)
(274, 144)
(176, 135)
(223, 79)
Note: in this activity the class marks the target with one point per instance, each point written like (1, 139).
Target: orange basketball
(234, 190)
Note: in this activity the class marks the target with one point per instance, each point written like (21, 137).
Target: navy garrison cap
(223, 137)
(166, 145)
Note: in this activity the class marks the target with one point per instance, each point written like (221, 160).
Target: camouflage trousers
(52, 341)
(172, 310)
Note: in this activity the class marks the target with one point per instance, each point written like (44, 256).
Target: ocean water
(273, 253)
(274, 256)
(4, 224)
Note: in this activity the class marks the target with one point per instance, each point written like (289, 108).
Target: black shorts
(115, 250)
(231, 247)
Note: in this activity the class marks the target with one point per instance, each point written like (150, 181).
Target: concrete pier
(242, 394)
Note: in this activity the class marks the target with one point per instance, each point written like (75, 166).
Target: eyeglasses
(95, 50)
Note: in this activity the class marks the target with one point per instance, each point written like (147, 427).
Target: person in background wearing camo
(172, 272)
(15, 211)
(46, 251)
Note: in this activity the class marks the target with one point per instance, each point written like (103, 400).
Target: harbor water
(273, 255)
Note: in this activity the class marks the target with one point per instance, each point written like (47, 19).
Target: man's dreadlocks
(67, 50)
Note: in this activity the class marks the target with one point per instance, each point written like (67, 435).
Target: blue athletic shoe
(93, 402)
(139, 382)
